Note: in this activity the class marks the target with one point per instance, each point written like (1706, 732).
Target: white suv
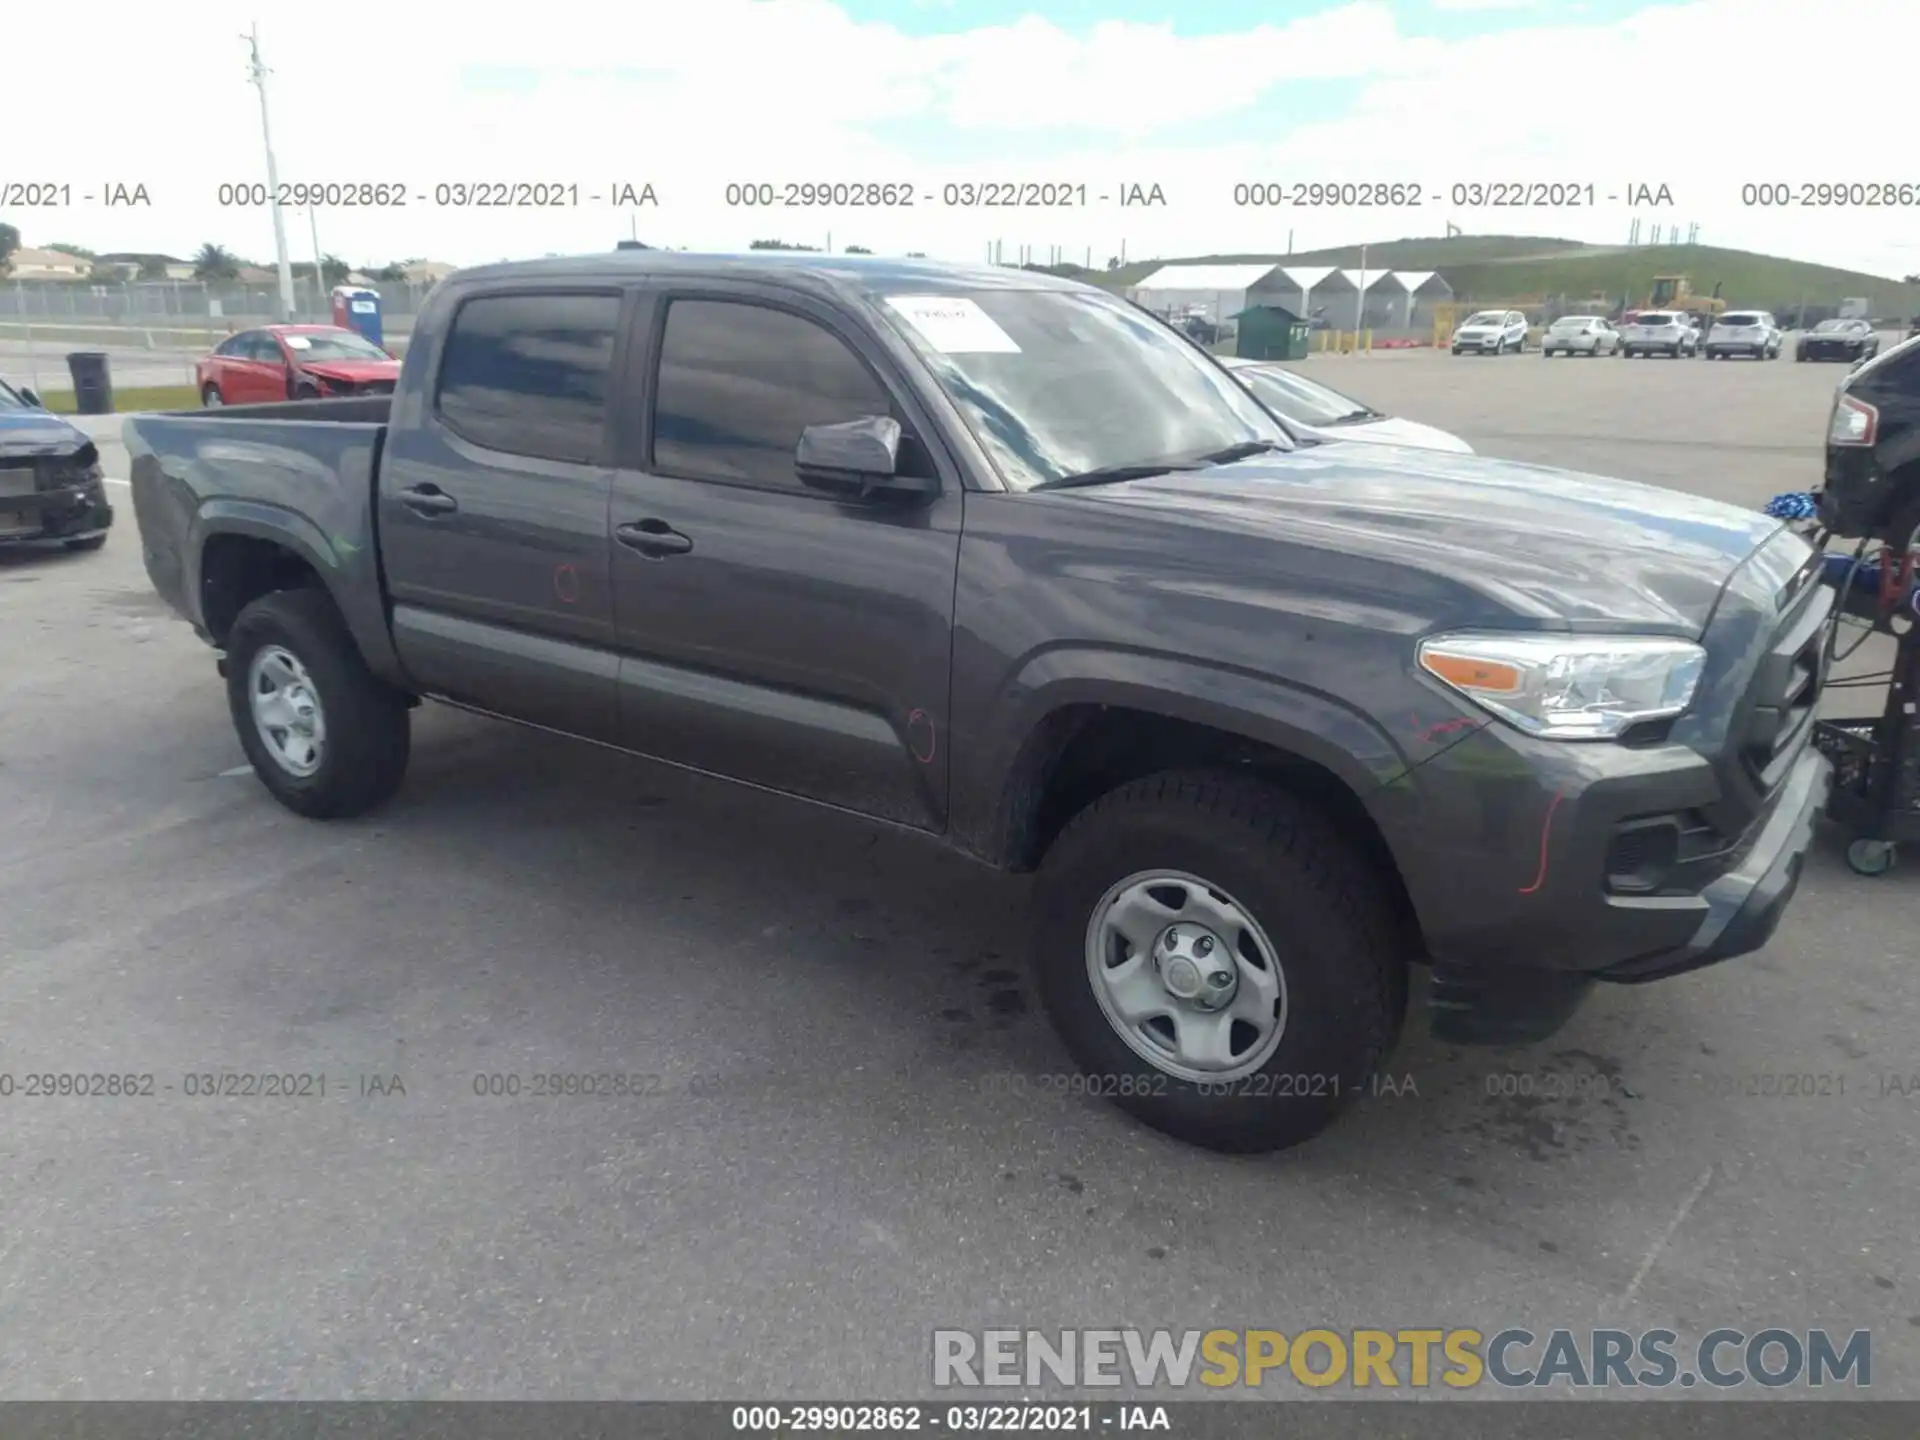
(1491, 332)
(1659, 332)
(1744, 332)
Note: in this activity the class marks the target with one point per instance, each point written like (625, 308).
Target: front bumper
(1858, 500)
(1506, 845)
(55, 517)
(1831, 352)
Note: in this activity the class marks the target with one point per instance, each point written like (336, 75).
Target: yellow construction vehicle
(1673, 292)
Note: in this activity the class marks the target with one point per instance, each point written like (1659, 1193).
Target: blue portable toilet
(357, 308)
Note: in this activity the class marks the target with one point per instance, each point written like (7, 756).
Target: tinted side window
(233, 347)
(527, 374)
(738, 383)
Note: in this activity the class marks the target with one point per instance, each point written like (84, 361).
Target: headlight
(1568, 687)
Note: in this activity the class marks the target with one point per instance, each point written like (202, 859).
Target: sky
(1111, 95)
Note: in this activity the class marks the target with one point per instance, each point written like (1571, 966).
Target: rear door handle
(653, 538)
(428, 500)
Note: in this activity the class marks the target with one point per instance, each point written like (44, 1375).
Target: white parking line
(237, 770)
(112, 481)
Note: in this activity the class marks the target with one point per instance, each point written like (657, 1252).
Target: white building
(1348, 299)
(25, 264)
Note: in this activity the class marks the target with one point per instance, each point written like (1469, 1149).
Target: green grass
(1489, 269)
(125, 402)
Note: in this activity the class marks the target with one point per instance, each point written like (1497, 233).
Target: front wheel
(1218, 959)
(324, 734)
(211, 398)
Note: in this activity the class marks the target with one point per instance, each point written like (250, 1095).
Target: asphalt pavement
(844, 1127)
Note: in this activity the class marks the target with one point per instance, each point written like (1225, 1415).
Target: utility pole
(319, 270)
(257, 73)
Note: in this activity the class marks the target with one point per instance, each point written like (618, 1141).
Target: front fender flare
(1317, 727)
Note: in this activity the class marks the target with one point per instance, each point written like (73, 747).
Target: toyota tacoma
(999, 557)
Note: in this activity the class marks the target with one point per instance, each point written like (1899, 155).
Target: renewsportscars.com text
(1416, 1359)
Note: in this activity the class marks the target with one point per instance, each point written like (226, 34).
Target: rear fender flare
(342, 573)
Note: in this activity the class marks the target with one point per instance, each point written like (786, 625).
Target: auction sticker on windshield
(953, 325)
(298, 342)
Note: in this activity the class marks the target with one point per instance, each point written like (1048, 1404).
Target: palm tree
(215, 262)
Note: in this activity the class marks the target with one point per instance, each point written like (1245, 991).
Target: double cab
(999, 559)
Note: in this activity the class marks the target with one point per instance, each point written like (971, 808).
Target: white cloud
(691, 97)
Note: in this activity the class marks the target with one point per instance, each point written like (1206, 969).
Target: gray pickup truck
(1000, 558)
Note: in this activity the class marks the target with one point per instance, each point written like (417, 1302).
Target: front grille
(28, 474)
(377, 387)
(1785, 691)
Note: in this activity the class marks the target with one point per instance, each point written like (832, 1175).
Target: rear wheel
(1218, 959)
(325, 736)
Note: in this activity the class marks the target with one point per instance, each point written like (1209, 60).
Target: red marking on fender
(1546, 828)
(920, 717)
(1447, 727)
(566, 584)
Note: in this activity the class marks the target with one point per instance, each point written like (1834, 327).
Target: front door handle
(653, 538)
(428, 500)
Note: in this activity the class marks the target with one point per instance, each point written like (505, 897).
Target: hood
(35, 432)
(354, 372)
(1391, 430)
(1550, 548)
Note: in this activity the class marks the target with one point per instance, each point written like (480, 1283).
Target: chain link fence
(188, 309)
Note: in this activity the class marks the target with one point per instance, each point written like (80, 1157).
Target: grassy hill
(1488, 269)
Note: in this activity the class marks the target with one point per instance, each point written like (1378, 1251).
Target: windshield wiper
(1242, 451)
(1113, 474)
(1354, 417)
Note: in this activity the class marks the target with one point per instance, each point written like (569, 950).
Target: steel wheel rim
(1155, 976)
(286, 709)
(213, 399)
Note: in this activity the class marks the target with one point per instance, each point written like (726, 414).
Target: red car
(293, 362)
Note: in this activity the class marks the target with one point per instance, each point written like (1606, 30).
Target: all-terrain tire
(364, 757)
(1340, 947)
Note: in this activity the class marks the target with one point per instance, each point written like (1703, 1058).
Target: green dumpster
(1268, 332)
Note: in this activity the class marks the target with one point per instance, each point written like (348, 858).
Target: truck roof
(843, 274)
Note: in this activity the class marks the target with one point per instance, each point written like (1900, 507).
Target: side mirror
(32, 397)
(857, 459)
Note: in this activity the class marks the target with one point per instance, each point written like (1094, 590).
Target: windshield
(11, 399)
(1487, 317)
(332, 345)
(1061, 383)
(1573, 322)
(1740, 320)
(1656, 319)
(1833, 326)
(1294, 397)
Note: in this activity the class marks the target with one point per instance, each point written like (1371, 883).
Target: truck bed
(301, 470)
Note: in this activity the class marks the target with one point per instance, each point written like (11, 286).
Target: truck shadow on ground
(936, 947)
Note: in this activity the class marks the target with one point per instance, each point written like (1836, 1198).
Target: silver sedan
(1579, 335)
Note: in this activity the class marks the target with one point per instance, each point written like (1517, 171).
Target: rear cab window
(527, 373)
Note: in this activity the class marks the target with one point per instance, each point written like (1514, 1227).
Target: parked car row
(1755, 334)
